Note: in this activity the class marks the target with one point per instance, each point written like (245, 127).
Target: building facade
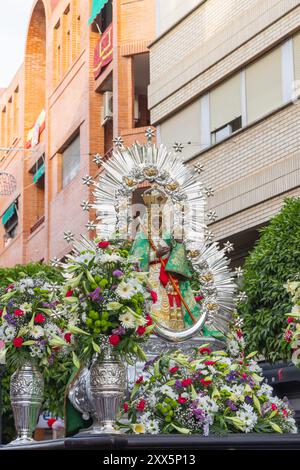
(83, 81)
(225, 82)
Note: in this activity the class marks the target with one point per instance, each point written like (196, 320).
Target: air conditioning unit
(107, 109)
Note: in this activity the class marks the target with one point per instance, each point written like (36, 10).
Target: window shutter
(296, 41)
(264, 85)
(71, 161)
(225, 103)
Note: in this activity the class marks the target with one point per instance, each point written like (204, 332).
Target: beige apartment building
(225, 83)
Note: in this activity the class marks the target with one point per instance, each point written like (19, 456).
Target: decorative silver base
(21, 441)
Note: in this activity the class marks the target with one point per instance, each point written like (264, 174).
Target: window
(225, 109)
(264, 85)
(10, 222)
(141, 77)
(71, 161)
(296, 44)
(220, 134)
(104, 19)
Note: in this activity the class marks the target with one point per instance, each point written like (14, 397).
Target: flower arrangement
(206, 392)
(292, 332)
(30, 327)
(105, 297)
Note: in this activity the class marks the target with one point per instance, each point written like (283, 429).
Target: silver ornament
(88, 180)
(69, 237)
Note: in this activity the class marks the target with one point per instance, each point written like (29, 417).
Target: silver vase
(79, 394)
(108, 385)
(26, 395)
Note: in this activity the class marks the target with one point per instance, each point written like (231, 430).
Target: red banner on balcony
(103, 51)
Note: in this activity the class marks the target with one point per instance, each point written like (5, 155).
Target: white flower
(110, 258)
(136, 285)
(125, 290)
(26, 307)
(9, 332)
(127, 320)
(37, 332)
(265, 389)
(167, 390)
(51, 330)
(296, 309)
(247, 415)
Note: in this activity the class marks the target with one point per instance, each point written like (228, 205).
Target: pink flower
(126, 407)
(103, 244)
(153, 296)
(68, 337)
(69, 293)
(141, 330)
(198, 298)
(149, 320)
(290, 319)
(114, 340)
(186, 382)
(39, 318)
(288, 336)
(182, 400)
(209, 363)
(139, 380)
(2, 344)
(274, 407)
(18, 312)
(239, 334)
(205, 382)
(141, 405)
(173, 370)
(17, 342)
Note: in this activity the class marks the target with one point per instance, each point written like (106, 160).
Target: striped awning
(97, 6)
(39, 173)
(9, 213)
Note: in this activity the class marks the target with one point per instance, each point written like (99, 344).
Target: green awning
(9, 213)
(39, 173)
(97, 6)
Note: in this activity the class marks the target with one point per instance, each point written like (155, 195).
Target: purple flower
(248, 399)
(117, 273)
(178, 383)
(231, 405)
(231, 376)
(119, 331)
(10, 320)
(95, 294)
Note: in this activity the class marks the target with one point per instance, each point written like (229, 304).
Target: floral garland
(30, 327)
(292, 332)
(105, 302)
(208, 392)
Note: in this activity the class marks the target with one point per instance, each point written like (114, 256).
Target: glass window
(71, 161)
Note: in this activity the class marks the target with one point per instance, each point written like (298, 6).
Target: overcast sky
(14, 19)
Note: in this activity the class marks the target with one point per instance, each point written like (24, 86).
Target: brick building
(225, 82)
(84, 80)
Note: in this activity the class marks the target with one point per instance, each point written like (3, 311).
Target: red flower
(10, 287)
(103, 244)
(126, 407)
(274, 407)
(205, 350)
(69, 293)
(68, 337)
(284, 412)
(239, 334)
(18, 312)
(209, 363)
(141, 330)
(205, 382)
(141, 405)
(139, 380)
(149, 320)
(288, 336)
(39, 318)
(173, 370)
(186, 382)
(114, 340)
(17, 342)
(153, 296)
(198, 298)
(50, 422)
(290, 319)
(1, 313)
(182, 400)
(244, 375)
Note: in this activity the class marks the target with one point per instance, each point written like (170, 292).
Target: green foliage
(19, 271)
(274, 260)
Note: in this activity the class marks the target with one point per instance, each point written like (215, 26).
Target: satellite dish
(8, 184)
